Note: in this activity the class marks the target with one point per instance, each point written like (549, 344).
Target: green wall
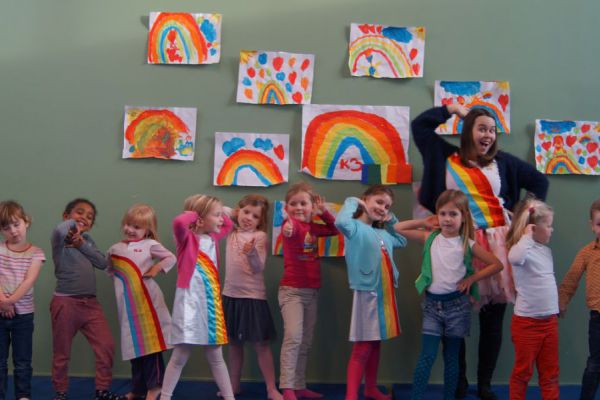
(68, 68)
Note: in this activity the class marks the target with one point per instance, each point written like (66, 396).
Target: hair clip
(531, 210)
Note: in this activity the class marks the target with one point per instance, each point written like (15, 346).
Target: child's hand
(458, 109)
(562, 312)
(73, 238)
(8, 312)
(431, 223)
(288, 229)
(152, 272)
(464, 285)
(248, 246)
(319, 203)
(228, 211)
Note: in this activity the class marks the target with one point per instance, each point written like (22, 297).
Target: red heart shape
(591, 147)
(447, 101)
(379, 28)
(364, 28)
(305, 64)
(277, 63)
(279, 151)
(251, 72)
(297, 97)
(585, 128)
(546, 145)
(503, 100)
(292, 77)
(413, 53)
(592, 161)
(571, 140)
(416, 68)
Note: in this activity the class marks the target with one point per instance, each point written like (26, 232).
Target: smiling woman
(492, 181)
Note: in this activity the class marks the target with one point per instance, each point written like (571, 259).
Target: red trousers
(70, 315)
(536, 343)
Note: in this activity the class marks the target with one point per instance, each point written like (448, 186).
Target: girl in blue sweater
(367, 226)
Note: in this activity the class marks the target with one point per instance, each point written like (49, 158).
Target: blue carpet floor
(83, 389)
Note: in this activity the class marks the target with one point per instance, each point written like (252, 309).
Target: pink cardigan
(187, 244)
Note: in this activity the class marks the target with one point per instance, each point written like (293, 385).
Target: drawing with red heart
(279, 151)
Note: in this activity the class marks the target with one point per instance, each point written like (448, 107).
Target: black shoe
(108, 395)
(60, 396)
(485, 393)
(462, 389)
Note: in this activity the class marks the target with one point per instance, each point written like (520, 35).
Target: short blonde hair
(202, 204)
(529, 211)
(143, 216)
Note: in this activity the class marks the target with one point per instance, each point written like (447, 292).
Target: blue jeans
(17, 331)
(446, 315)
(591, 375)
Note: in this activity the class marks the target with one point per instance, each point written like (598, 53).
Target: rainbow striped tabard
(485, 206)
(389, 326)
(144, 325)
(217, 333)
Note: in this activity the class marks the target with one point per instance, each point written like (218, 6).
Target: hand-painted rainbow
(264, 168)
(329, 135)
(181, 29)
(476, 102)
(561, 164)
(271, 93)
(144, 324)
(155, 133)
(387, 48)
(217, 332)
(387, 310)
(484, 205)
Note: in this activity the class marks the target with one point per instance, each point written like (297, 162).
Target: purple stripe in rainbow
(389, 326)
(144, 325)
(217, 332)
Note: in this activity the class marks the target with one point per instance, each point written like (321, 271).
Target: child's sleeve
(167, 258)
(91, 252)
(344, 221)
(568, 287)
(257, 257)
(518, 253)
(397, 239)
(328, 229)
(181, 226)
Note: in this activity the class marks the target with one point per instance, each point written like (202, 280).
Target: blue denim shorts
(446, 315)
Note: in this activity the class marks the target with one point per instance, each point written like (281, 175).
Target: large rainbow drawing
(264, 167)
(561, 164)
(387, 48)
(217, 332)
(329, 135)
(183, 29)
(155, 133)
(271, 93)
(476, 102)
(144, 324)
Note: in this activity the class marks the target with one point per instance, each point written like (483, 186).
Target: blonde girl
(534, 326)
(448, 279)
(197, 310)
(143, 314)
(247, 313)
(20, 265)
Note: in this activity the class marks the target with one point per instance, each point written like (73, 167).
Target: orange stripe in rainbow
(328, 135)
(154, 133)
(217, 332)
(271, 93)
(182, 31)
(265, 169)
(389, 326)
(561, 164)
(389, 49)
(484, 205)
(144, 325)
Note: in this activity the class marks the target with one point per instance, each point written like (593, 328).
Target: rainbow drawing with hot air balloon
(167, 133)
(184, 38)
(337, 141)
(250, 159)
(494, 96)
(567, 147)
(384, 51)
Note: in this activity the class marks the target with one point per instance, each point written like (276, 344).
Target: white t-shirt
(447, 264)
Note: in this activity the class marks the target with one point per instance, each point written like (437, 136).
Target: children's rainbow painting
(167, 133)
(494, 96)
(251, 159)
(184, 38)
(269, 77)
(567, 147)
(383, 51)
(338, 142)
(329, 246)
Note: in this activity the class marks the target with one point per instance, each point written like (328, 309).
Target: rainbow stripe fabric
(389, 326)
(144, 325)
(485, 206)
(217, 332)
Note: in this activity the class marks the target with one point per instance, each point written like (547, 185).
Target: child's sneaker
(60, 396)
(108, 395)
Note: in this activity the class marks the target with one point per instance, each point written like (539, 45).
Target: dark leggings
(491, 317)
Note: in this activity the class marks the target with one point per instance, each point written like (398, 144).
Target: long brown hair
(467, 144)
(255, 200)
(460, 201)
(372, 191)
